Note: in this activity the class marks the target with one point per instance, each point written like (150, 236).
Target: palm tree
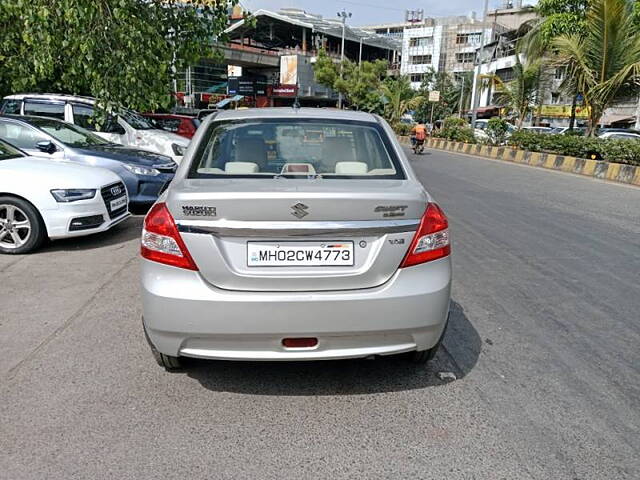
(555, 18)
(519, 94)
(399, 97)
(605, 60)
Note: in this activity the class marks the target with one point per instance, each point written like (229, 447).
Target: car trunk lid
(221, 220)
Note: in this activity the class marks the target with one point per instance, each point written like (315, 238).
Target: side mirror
(46, 146)
(119, 129)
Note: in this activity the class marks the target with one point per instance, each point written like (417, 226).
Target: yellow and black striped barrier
(616, 172)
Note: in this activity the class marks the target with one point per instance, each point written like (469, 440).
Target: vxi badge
(198, 211)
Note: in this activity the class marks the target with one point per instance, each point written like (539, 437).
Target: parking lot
(539, 377)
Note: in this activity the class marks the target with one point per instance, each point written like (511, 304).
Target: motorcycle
(418, 146)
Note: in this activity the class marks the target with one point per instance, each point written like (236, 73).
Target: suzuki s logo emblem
(299, 210)
(116, 191)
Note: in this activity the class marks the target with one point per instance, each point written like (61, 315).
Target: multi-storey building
(554, 103)
(446, 44)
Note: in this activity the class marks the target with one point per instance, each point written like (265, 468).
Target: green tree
(561, 17)
(519, 94)
(124, 52)
(399, 97)
(359, 83)
(605, 59)
(555, 18)
(497, 129)
(450, 91)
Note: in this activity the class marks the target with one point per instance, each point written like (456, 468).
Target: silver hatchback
(295, 234)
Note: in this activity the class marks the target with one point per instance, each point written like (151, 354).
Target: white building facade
(446, 44)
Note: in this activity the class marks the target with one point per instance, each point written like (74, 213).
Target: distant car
(544, 130)
(206, 112)
(312, 250)
(144, 173)
(620, 135)
(127, 128)
(42, 199)
(183, 125)
(481, 125)
(565, 130)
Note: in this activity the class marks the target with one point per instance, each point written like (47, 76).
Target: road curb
(616, 172)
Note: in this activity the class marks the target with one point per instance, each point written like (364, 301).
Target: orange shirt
(420, 131)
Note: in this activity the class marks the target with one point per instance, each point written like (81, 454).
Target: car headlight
(178, 149)
(139, 170)
(66, 195)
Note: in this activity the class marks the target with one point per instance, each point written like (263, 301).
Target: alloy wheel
(15, 227)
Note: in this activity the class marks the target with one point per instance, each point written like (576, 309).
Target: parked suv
(127, 128)
(295, 234)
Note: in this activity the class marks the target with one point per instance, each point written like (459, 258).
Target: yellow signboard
(562, 111)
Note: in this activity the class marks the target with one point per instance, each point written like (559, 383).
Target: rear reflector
(431, 241)
(161, 241)
(299, 342)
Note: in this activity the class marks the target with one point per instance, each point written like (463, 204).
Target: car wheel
(423, 357)
(21, 227)
(168, 362)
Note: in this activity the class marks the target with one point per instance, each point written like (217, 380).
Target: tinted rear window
(168, 124)
(53, 110)
(294, 148)
(11, 106)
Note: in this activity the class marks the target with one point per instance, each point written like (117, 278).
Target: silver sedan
(295, 234)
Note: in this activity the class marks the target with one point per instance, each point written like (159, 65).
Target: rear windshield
(295, 148)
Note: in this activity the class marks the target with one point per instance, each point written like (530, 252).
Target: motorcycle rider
(418, 135)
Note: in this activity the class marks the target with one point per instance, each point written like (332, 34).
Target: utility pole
(343, 15)
(476, 74)
(462, 80)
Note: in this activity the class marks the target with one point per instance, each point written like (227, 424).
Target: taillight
(431, 241)
(161, 241)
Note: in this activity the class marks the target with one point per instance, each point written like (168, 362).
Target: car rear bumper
(186, 316)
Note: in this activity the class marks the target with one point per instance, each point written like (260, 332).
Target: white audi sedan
(295, 234)
(42, 198)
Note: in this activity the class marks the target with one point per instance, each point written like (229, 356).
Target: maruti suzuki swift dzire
(295, 234)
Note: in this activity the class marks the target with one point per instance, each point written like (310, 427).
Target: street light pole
(461, 94)
(476, 74)
(343, 15)
(360, 54)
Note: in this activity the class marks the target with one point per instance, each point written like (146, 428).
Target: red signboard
(283, 91)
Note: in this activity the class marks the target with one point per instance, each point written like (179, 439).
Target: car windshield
(8, 152)
(68, 134)
(136, 121)
(293, 148)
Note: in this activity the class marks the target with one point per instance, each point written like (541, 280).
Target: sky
(367, 12)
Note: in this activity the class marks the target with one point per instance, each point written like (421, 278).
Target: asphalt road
(544, 342)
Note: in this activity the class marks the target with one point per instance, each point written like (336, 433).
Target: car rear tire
(21, 227)
(422, 357)
(168, 362)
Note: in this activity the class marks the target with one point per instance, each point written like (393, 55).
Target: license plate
(118, 203)
(300, 254)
